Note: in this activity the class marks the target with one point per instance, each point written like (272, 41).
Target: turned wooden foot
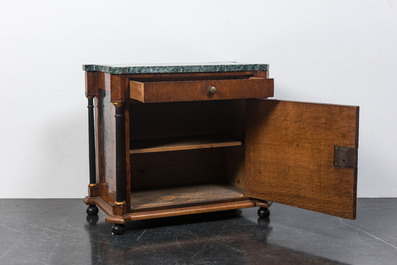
(264, 212)
(92, 209)
(118, 229)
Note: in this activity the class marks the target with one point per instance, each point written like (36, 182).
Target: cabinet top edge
(174, 68)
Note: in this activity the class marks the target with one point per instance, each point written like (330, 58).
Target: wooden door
(303, 155)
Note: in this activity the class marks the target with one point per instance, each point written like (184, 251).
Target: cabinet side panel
(290, 155)
(106, 121)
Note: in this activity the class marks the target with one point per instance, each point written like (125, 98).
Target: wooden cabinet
(177, 140)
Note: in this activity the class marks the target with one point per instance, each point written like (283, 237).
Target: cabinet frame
(115, 198)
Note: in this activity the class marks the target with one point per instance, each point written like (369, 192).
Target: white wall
(333, 51)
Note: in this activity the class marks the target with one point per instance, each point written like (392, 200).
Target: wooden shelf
(184, 195)
(182, 143)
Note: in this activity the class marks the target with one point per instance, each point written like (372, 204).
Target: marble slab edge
(212, 68)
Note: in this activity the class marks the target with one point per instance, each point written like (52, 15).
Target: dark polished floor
(56, 232)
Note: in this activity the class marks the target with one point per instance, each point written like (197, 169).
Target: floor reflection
(222, 237)
(56, 232)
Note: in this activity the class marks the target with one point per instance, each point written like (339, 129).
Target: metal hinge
(345, 156)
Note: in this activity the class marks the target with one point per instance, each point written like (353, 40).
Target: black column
(91, 141)
(120, 154)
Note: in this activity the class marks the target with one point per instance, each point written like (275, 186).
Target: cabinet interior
(186, 152)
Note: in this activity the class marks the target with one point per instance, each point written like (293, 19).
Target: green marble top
(174, 68)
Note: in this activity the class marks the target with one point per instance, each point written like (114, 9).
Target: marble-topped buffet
(168, 140)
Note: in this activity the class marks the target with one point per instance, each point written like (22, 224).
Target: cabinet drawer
(173, 91)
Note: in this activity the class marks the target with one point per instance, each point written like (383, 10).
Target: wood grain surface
(290, 153)
(194, 209)
(184, 195)
(182, 143)
(175, 91)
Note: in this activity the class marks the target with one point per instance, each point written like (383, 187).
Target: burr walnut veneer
(186, 139)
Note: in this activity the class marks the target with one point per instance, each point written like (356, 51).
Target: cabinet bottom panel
(168, 197)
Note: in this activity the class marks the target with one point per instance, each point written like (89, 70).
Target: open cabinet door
(303, 155)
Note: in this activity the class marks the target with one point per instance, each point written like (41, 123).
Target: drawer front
(174, 91)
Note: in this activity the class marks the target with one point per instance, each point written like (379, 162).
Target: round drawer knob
(211, 90)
